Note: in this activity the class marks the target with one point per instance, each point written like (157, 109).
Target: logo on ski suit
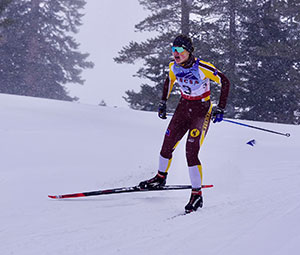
(195, 132)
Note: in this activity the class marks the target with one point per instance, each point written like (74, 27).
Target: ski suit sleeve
(169, 83)
(214, 74)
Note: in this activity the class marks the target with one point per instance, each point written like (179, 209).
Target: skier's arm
(214, 74)
(165, 94)
(169, 82)
(225, 85)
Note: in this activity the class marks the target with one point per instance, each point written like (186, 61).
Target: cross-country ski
(123, 190)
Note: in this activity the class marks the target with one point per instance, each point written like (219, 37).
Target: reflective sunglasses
(178, 49)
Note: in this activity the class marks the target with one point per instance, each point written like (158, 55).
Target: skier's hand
(162, 109)
(217, 114)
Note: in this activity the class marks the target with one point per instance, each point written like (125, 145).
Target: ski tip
(208, 186)
(53, 197)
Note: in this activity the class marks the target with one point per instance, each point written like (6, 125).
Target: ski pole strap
(259, 128)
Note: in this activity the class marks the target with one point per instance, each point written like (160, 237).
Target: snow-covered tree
(38, 53)
(166, 21)
(214, 33)
(255, 43)
(272, 60)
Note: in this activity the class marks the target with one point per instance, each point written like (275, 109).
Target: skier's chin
(178, 60)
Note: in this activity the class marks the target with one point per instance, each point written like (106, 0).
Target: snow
(53, 147)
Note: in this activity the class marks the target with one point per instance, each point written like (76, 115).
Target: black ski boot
(158, 181)
(195, 202)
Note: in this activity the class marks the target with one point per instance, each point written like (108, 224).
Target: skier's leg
(197, 133)
(177, 128)
(195, 173)
(175, 131)
(165, 158)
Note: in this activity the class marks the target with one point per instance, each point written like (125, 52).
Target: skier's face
(180, 57)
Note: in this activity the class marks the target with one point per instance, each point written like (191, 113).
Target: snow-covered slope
(51, 147)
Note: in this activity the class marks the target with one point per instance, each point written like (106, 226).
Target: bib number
(187, 90)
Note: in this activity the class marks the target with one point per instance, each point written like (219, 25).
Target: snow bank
(52, 147)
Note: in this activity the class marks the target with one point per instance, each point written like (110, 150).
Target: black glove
(162, 109)
(217, 114)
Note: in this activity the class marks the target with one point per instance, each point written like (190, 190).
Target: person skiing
(193, 114)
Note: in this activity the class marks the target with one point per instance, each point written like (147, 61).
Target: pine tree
(3, 5)
(271, 62)
(217, 37)
(168, 18)
(291, 11)
(4, 21)
(38, 53)
(215, 40)
(255, 43)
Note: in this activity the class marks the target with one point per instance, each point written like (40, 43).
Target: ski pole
(250, 126)
(259, 128)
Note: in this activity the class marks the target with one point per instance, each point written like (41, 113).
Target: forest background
(254, 42)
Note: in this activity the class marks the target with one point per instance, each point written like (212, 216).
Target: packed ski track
(53, 147)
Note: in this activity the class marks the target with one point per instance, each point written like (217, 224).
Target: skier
(193, 114)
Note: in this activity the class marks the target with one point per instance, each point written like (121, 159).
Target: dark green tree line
(255, 43)
(38, 53)
(154, 52)
(271, 61)
(171, 18)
